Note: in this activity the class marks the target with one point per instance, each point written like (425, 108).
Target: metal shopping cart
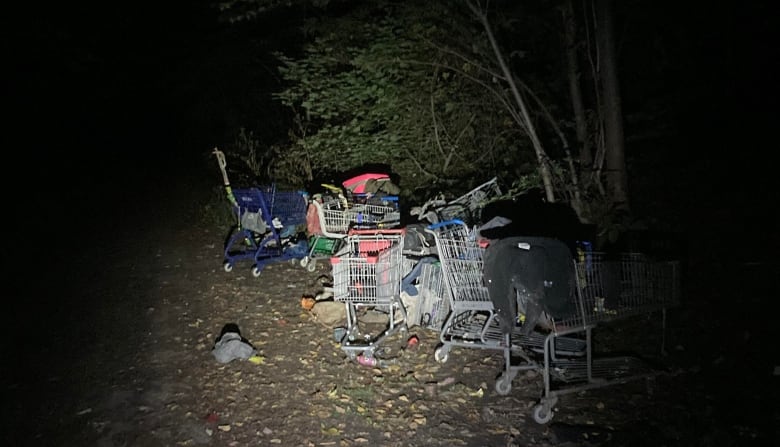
(328, 223)
(466, 208)
(367, 276)
(375, 211)
(605, 291)
(472, 321)
(335, 215)
(432, 302)
(267, 227)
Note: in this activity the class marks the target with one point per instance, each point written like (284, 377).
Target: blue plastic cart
(267, 228)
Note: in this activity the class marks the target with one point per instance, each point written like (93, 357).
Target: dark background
(108, 104)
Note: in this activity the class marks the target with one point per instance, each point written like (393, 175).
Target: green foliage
(244, 10)
(216, 212)
(414, 85)
(403, 92)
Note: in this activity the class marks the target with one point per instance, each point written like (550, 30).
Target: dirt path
(118, 353)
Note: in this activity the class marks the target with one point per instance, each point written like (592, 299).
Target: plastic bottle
(366, 361)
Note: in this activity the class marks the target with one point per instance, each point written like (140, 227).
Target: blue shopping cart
(267, 228)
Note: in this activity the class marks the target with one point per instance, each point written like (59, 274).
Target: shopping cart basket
(472, 321)
(335, 216)
(367, 274)
(607, 290)
(466, 208)
(429, 305)
(267, 227)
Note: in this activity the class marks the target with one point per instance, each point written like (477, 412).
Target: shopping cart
(375, 211)
(607, 290)
(267, 227)
(381, 213)
(604, 291)
(472, 321)
(430, 304)
(335, 215)
(466, 208)
(367, 276)
(329, 221)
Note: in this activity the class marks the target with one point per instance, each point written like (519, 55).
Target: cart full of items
(362, 203)
(466, 208)
(267, 227)
(373, 252)
(367, 277)
(533, 300)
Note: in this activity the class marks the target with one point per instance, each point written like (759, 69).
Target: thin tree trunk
(541, 156)
(575, 90)
(613, 116)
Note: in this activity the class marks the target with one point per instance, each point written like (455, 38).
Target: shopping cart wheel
(228, 267)
(504, 384)
(542, 414)
(312, 266)
(441, 354)
(304, 261)
(256, 271)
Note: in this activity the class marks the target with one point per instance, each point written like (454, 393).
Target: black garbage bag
(530, 215)
(532, 276)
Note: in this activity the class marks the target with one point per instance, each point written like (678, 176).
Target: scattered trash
(339, 333)
(374, 362)
(231, 345)
(308, 302)
(212, 418)
(412, 342)
(366, 361)
(257, 359)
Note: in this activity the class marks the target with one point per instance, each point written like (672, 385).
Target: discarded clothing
(418, 242)
(232, 346)
(254, 222)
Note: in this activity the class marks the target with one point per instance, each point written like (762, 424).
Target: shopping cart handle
(445, 223)
(377, 231)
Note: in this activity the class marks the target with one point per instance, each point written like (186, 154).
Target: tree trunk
(615, 175)
(575, 90)
(541, 155)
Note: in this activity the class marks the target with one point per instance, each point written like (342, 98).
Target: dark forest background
(102, 97)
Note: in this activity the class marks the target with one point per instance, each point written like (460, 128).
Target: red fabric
(313, 221)
(358, 184)
(373, 246)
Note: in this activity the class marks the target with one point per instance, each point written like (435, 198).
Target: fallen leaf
(257, 359)
(479, 393)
